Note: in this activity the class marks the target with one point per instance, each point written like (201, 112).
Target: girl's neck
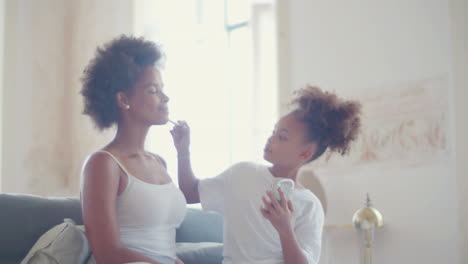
(285, 171)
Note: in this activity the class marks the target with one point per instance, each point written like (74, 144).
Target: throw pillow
(65, 243)
(201, 252)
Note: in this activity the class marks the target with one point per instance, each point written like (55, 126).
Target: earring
(127, 107)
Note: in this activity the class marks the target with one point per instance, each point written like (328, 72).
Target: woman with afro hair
(262, 223)
(130, 205)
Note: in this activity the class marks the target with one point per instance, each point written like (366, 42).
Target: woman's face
(287, 146)
(148, 102)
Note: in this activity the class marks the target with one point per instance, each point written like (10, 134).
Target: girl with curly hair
(261, 227)
(130, 205)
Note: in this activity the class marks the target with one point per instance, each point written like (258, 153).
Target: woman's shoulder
(101, 160)
(100, 156)
(100, 172)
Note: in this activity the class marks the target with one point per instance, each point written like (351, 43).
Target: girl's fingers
(265, 212)
(266, 203)
(273, 200)
(182, 123)
(182, 128)
(283, 198)
(290, 206)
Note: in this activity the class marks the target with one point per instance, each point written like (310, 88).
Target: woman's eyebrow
(155, 85)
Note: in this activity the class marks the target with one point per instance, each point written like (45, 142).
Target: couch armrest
(200, 226)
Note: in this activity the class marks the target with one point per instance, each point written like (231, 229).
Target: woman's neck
(130, 140)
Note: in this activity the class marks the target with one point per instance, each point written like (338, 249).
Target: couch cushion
(202, 252)
(200, 226)
(25, 218)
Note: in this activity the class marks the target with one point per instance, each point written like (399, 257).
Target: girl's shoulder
(247, 165)
(307, 201)
(248, 168)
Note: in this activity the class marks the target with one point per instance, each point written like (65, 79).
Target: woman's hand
(181, 136)
(278, 213)
(178, 261)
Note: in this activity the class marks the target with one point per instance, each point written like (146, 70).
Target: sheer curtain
(220, 74)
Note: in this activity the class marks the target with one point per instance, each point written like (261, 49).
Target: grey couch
(24, 218)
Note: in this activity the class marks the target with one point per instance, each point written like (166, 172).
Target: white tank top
(148, 215)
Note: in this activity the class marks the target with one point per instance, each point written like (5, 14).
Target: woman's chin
(160, 121)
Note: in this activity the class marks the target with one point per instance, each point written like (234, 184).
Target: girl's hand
(178, 261)
(181, 137)
(278, 213)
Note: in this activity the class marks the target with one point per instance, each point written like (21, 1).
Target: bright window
(220, 74)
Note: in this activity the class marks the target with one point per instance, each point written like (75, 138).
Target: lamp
(365, 220)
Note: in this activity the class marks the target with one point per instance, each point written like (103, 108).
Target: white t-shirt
(248, 236)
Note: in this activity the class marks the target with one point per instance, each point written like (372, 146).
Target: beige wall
(384, 48)
(2, 41)
(45, 135)
(459, 20)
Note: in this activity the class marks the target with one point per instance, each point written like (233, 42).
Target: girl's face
(287, 145)
(148, 102)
